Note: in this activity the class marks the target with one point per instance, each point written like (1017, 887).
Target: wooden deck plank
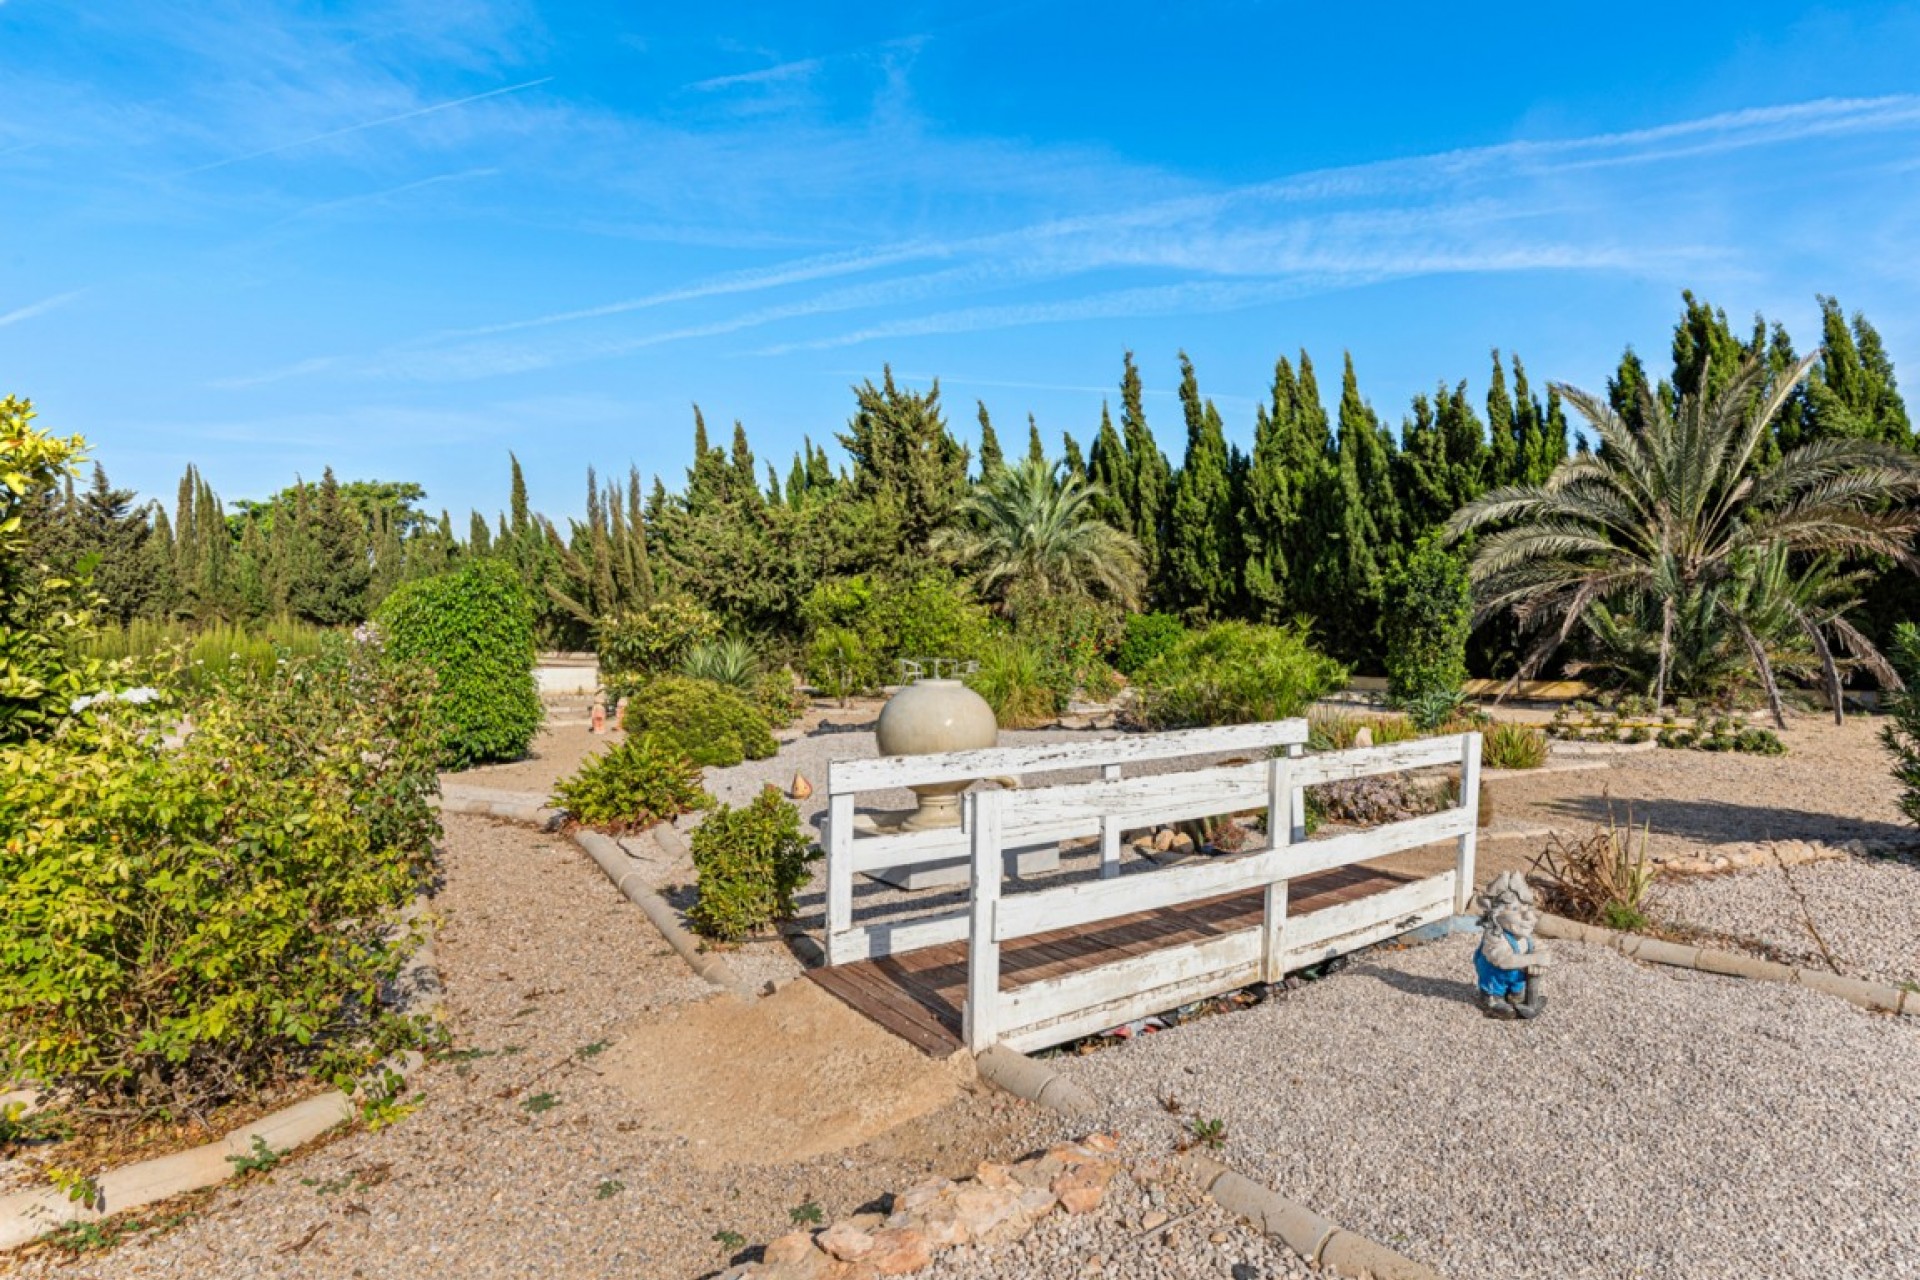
(919, 995)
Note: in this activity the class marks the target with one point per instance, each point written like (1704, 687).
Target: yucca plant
(1668, 513)
(1513, 746)
(1604, 878)
(729, 661)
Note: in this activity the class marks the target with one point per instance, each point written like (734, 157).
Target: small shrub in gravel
(1514, 746)
(1146, 637)
(710, 724)
(1604, 878)
(748, 862)
(1235, 673)
(729, 661)
(780, 698)
(631, 787)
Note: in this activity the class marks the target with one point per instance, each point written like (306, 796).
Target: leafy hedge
(748, 862)
(1235, 673)
(181, 924)
(641, 643)
(708, 723)
(859, 626)
(631, 787)
(1146, 637)
(1429, 615)
(474, 629)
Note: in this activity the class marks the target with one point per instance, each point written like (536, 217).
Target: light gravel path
(1867, 910)
(1654, 1122)
(541, 958)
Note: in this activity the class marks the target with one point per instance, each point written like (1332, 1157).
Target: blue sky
(406, 238)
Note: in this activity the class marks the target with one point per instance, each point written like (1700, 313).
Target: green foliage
(1429, 614)
(1606, 878)
(1027, 530)
(1204, 541)
(709, 724)
(474, 628)
(181, 924)
(861, 626)
(1901, 733)
(779, 697)
(1019, 682)
(653, 640)
(748, 862)
(1336, 731)
(630, 787)
(1628, 720)
(42, 612)
(1146, 637)
(1235, 673)
(806, 1215)
(199, 658)
(1433, 710)
(260, 1158)
(730, 661)
(540, 1103)
(1514, 746)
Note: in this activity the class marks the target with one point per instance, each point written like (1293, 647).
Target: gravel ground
(1653, 1122)
(541, 958)
(1866, 910)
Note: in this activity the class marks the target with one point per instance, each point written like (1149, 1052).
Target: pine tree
(990, 456)
(1851, 392)
(905, 462)
(1203, 556)
(743, 484)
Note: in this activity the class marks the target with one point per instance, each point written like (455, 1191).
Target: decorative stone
(898, 1251)
(1163, 839)
(846, 1242)
(1363, 736)
(990, 1174)
(991, 1215)
(789, 1248)
(1154, 1220)
(801, 788)
(930, 716)
(1080, 1190)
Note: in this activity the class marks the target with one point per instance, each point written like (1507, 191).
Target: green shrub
(183, 924)
(1019, 683)
(1514, 746)
(631, 787)
(1235, 673)
(748, 863)
(839, 665)
(474, 628)
(859, 627)
(1428, 616)
(652, 641)
(1901, 734)
(1072, 636)
(730, 661)
(1146, 637)
(196, 657)
(708, 723)
(779, 697)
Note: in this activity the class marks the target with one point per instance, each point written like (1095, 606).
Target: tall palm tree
(1027, 527)
(1663, 518)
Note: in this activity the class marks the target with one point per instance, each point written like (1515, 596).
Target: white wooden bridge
(1028, 963)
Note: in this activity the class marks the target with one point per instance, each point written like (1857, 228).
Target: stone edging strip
(1302, 1230)
(623, 868)
(27, 1215)
(1878, 996)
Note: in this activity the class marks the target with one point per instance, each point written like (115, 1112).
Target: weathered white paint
(1091, 900)
(1139, 1005)
(1053, 998)
(896, 937)
(1470, 802)
(983, 945)
(1365, 762)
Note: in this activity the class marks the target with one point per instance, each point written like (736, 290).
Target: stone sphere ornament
(930, 716)
(1508, 963)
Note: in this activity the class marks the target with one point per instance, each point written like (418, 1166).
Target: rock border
(1320, 1242)
(1877, 996)
(26, 1216)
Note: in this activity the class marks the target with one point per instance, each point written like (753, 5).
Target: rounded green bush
(474, 629)
(1429, 616)
(653, 640)
(631, 787)
(1235, 673)
(1147, 636)
(710, 724)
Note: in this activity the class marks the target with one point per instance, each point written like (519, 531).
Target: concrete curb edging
(1313, 1237)
(528, 814)
(1877, 996)
(27, 1215)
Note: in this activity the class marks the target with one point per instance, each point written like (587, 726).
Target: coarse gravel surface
(1653, 1122)
(1865, 910)
(523, 1158)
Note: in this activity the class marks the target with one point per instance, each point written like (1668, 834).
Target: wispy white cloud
(39, 308)
(799, 69)
(384, 121)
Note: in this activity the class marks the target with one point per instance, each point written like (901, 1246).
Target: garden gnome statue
(1509, 960)
(599, 717)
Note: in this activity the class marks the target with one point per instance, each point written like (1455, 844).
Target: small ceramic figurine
(1509, 960)
(599, 717)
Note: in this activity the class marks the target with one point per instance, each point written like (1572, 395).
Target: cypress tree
(1852, 393)
(479, 541)
(1272, 500)
(990, 457)
(743, 484)
(1071, 457)
(1506, 437)
(518, 498)
(1202, 560)
(1107, 468)
(1036, 451)
(905, 462)
(329, 582)
(1149, 477)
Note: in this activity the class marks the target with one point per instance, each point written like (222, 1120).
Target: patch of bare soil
(790, 1077)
